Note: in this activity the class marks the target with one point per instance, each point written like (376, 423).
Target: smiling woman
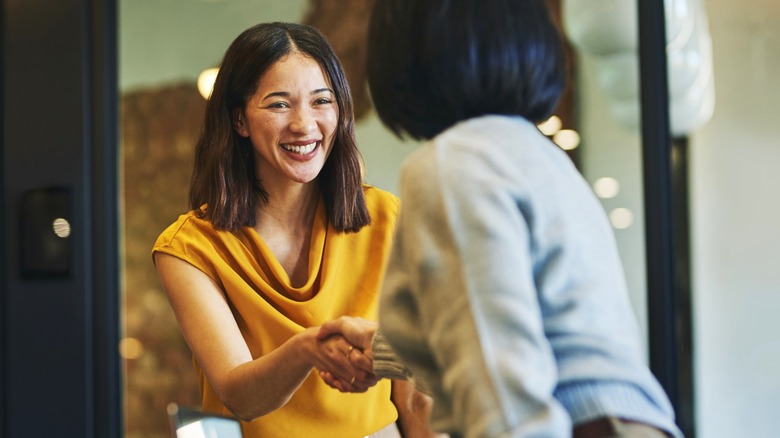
(266, 253)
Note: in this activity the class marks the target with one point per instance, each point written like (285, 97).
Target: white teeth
(303, 150)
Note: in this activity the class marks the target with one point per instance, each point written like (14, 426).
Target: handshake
(347, 342)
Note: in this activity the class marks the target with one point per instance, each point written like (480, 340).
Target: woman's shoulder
(481, 146)
(380, 202)
(188, 226)
(490, 125)
(375, 195)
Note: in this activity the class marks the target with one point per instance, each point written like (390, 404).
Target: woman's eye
(278, 105)
(323, 101)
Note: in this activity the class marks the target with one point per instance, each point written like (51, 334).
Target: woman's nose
(303, 121)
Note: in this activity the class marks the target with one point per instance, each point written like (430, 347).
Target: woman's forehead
(292, 70)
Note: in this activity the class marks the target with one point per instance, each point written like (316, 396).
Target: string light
(606, 187)
(550, 126)
(621, 218)
(567, 139)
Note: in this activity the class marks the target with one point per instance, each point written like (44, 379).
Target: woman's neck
(290, 207)
(285, 225)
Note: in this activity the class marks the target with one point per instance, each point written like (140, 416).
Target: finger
(332, 381)
(357, 381)
(341, 370)
(361, 366)
(327, 378)
(323, 333)
(356, 385)
(329, 328)
(364, 385)
(360, 361)
(364, 380)
(335, 349)
(337, 353)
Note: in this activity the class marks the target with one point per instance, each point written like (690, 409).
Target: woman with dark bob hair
(282, 236)
(504, 292)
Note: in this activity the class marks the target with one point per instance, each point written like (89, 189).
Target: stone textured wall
(159, 129)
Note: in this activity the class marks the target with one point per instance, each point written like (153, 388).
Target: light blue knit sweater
(505, 292)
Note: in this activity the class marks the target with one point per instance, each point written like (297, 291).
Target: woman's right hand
(357, 331)
(343, 366)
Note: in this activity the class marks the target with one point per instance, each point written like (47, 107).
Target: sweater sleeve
(388, 366)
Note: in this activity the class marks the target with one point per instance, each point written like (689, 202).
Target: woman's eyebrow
(276, 94)
(287, 93)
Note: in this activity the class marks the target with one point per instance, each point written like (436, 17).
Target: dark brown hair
(224, 177)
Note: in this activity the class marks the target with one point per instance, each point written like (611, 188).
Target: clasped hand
(346, 343)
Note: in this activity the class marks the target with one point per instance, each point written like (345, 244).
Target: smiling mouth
(300, 150)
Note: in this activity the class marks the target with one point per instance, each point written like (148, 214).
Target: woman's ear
(239, 123)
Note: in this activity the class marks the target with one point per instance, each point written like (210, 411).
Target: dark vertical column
(103, 86)
(46, 350)
(60, 373)
(683, 342)
(666, 222)
(3, 243)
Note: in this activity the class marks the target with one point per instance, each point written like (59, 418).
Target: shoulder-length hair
(433, 63)
(224, 176)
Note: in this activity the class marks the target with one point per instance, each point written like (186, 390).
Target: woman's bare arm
(248, 387)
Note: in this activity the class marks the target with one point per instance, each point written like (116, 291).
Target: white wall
(611, 150)
(735, 177)
(170, 41)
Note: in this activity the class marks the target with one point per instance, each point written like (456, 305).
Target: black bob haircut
(434, 63)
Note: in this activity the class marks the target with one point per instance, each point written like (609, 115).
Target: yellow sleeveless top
(345, 274)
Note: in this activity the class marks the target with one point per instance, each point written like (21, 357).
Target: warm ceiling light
(621, 218)
(606, 187)
(550, 126)
(567, 139)
(206, 81)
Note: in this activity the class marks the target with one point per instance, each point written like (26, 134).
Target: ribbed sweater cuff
(586, 401)
(386, 363)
